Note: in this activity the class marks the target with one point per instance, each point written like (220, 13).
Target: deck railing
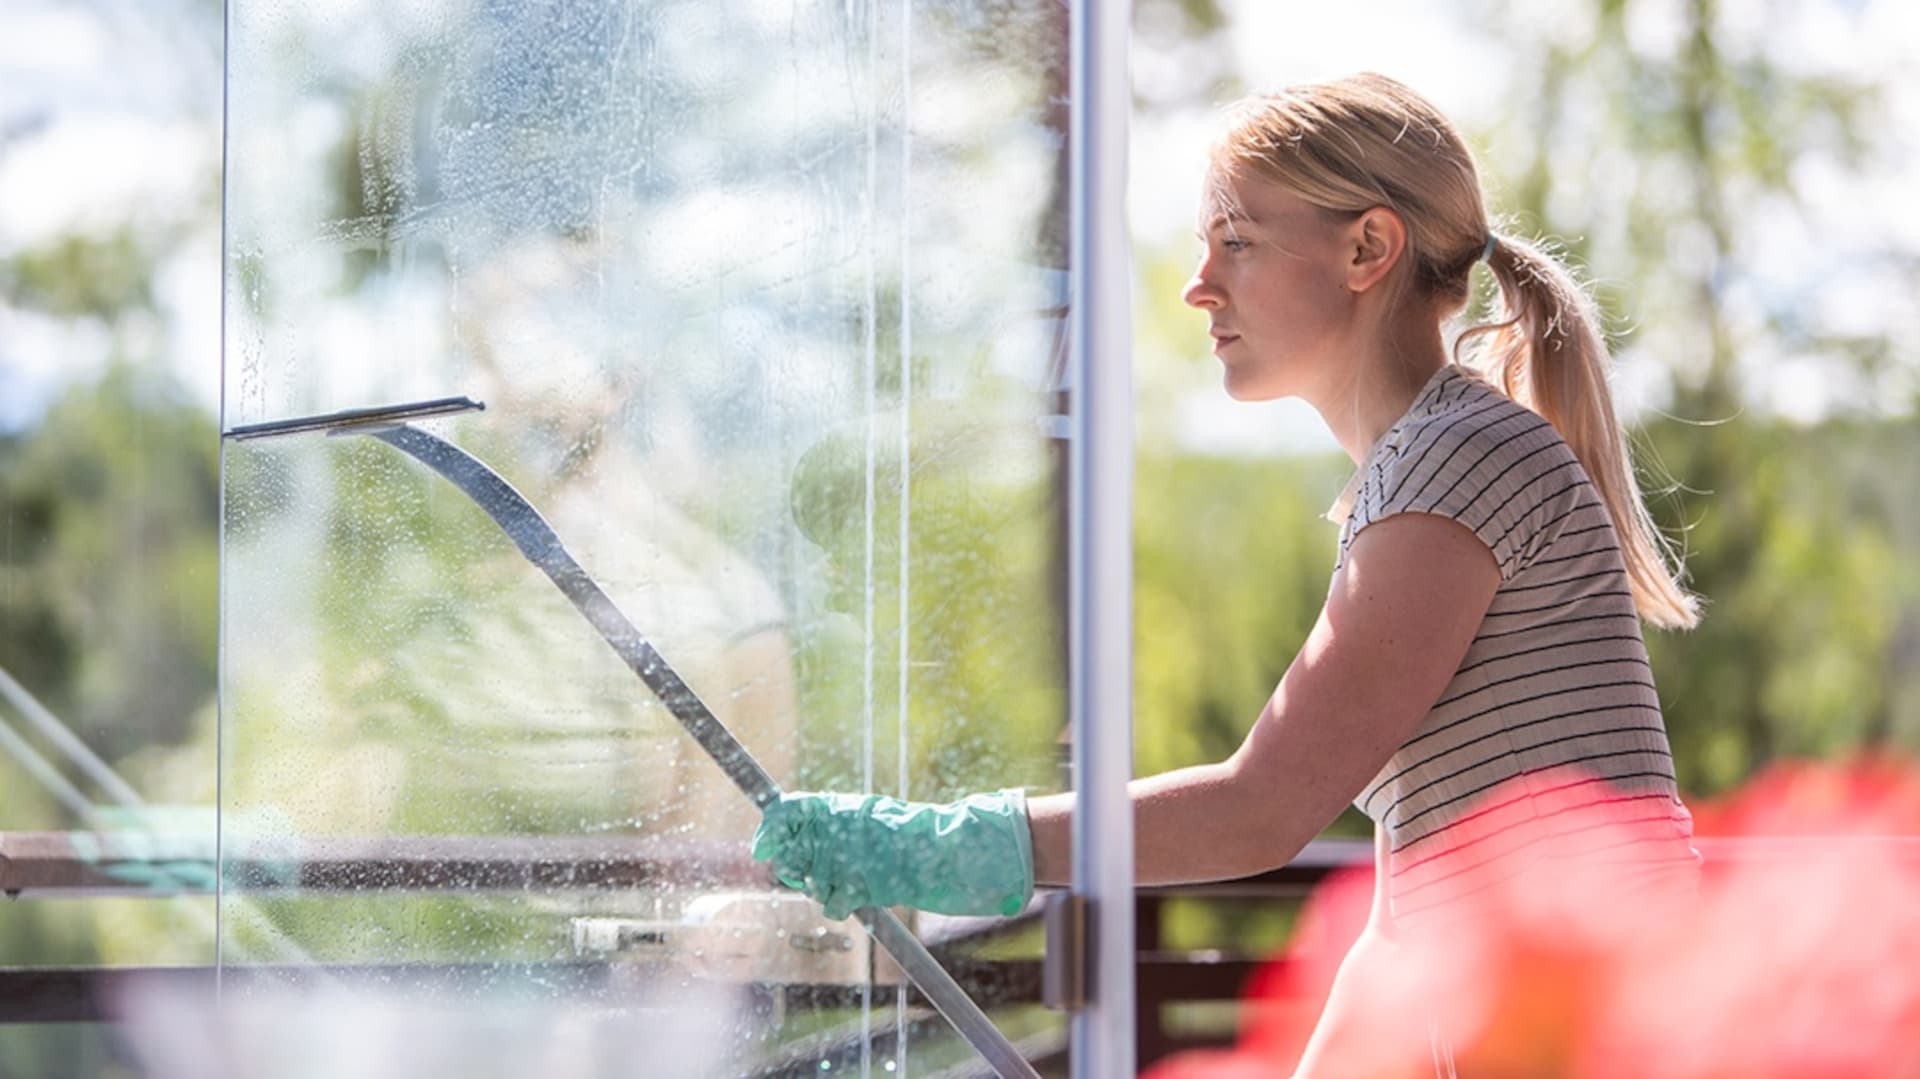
(79, 865)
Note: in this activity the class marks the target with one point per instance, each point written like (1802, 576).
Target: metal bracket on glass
(1066, 972)
(541, 545)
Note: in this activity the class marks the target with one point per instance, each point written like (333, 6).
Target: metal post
(1100, 490)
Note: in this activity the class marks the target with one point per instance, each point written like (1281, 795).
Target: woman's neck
(1372, 394)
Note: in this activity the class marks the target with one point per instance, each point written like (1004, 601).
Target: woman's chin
(1241, 388)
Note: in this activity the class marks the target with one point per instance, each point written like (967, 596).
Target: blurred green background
(1731, 176)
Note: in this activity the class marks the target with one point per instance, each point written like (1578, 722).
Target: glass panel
(763, 301)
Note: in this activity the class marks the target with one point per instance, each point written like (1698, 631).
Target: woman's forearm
(1192, 824)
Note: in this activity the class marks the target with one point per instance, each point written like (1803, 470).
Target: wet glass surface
(763, 301)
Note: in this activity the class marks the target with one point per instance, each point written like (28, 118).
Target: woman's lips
(1222, 340)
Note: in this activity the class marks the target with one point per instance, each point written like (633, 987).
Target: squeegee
(541, 545)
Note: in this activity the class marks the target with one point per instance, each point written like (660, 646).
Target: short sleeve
(1503, 472)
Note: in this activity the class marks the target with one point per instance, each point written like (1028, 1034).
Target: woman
(1476, 682)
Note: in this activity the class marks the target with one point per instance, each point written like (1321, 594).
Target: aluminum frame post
(1100, 484)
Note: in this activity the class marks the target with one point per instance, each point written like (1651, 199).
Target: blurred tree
(108, 589)
(1669, 151)
(1231, 560)
(111, 560)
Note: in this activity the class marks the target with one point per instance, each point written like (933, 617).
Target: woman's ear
(1375, 241)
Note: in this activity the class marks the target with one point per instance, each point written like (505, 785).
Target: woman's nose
(1201, 292)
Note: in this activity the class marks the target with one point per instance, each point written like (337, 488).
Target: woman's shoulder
(1459, 410)
(1468, 434)
(1468, 451)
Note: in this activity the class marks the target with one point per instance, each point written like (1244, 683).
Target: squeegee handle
(541, 544)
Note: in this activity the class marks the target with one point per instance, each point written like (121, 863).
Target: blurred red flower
(1800, 955)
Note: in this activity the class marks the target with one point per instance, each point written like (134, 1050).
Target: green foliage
(110, 560)
(1798, 547)
(79, 274)
(108, 613)
(1232, 558)
(986, 646)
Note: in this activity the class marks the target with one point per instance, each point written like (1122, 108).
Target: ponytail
(1545, 352)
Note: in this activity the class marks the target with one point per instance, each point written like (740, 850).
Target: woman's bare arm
(1401, 614)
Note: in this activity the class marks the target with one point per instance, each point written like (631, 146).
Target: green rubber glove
(974, 856)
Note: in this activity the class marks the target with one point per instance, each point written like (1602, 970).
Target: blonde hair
(1351, 144)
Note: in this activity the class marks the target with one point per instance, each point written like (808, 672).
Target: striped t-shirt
(1548, 741)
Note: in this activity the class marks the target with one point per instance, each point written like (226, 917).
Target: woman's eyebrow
(1228, 221)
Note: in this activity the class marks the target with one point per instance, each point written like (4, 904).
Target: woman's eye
(1232, 244)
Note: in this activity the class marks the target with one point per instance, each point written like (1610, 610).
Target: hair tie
(1486, 253)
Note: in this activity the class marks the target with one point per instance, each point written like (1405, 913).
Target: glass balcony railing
(765, 306)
